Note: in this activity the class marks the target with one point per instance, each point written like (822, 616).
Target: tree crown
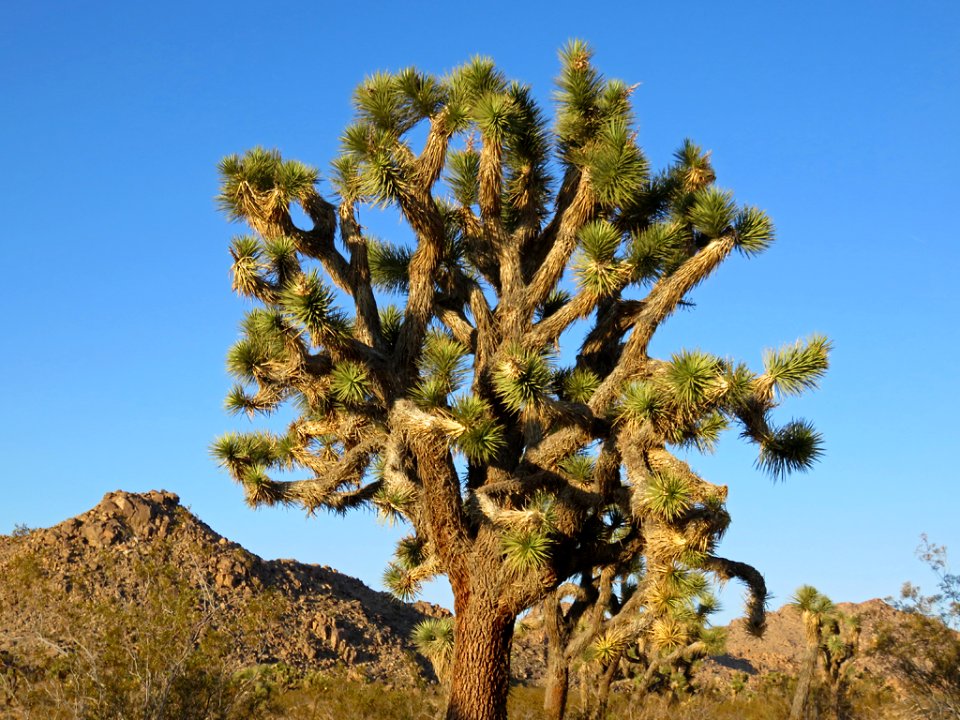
(453, 410)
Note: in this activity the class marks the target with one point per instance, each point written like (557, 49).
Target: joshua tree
(840, 648)
(458, 411)
(832, 637)
(655, 655)
(814, 609)
(593, 622)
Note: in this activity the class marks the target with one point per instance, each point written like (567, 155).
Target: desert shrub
(160, 652)
(925, 650)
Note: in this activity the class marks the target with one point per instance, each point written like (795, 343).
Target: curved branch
(421, 212)
(551, 327)
(430, 163)
(538, 247)
(757, 602)
(318, 242)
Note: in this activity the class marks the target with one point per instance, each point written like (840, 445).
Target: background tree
(833, 638)
(595, 623)
(925, 650)
(456, 411)
(657, 653)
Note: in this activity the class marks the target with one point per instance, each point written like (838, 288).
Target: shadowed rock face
(319, 617)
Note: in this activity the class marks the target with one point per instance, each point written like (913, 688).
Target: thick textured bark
(481, 660)
(838, 700)
(558, 687)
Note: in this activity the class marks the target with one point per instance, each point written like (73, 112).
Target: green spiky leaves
(693, 166)
(578, 91)
(808, 599)
(554, 301)
(401, 582)
(482, 437)
(443, 368)
(682, 398)
(657, 249)
(471, 81)
(596, 265)
(579, 385)
(494, 114)
(641, 401)
(393, 502)
(350, 383)
(693, 375)
(526, 550)
(411, 552)
(579, 468)
(753, 230)
(713, 212)
(260, 184)
(388, 266)
(797, 367)
(434, 639)
(618, 170)
(249, 457)
(250, 358)
(609, 646)
(391, 319)
(310, 302)
(523, 378)
(464, 173)
(396, 102)
(667, 495)
(246, 253)
(404, 576)
(792, 448)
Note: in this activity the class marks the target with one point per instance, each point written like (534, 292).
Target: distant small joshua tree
(833, 638)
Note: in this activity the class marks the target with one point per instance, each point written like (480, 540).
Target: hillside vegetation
(137, 609)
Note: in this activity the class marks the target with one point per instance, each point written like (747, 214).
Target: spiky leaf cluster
(523, 378)
(433, 638)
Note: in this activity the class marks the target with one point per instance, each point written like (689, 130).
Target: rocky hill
(782, 646)
(304, 616)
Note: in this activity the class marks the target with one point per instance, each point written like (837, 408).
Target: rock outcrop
(310, 617)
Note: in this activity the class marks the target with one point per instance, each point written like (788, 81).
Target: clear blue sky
(839, 119)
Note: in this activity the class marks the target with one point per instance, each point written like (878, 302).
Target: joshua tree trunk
(804, 683)
(558, 667)
(599, 710)
(558, 686)
(480, 676)
(839, 705)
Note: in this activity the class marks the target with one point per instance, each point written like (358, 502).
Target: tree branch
(662, 300)
(749, 575)
(442, 502)
(572, 218)
(368, 319)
